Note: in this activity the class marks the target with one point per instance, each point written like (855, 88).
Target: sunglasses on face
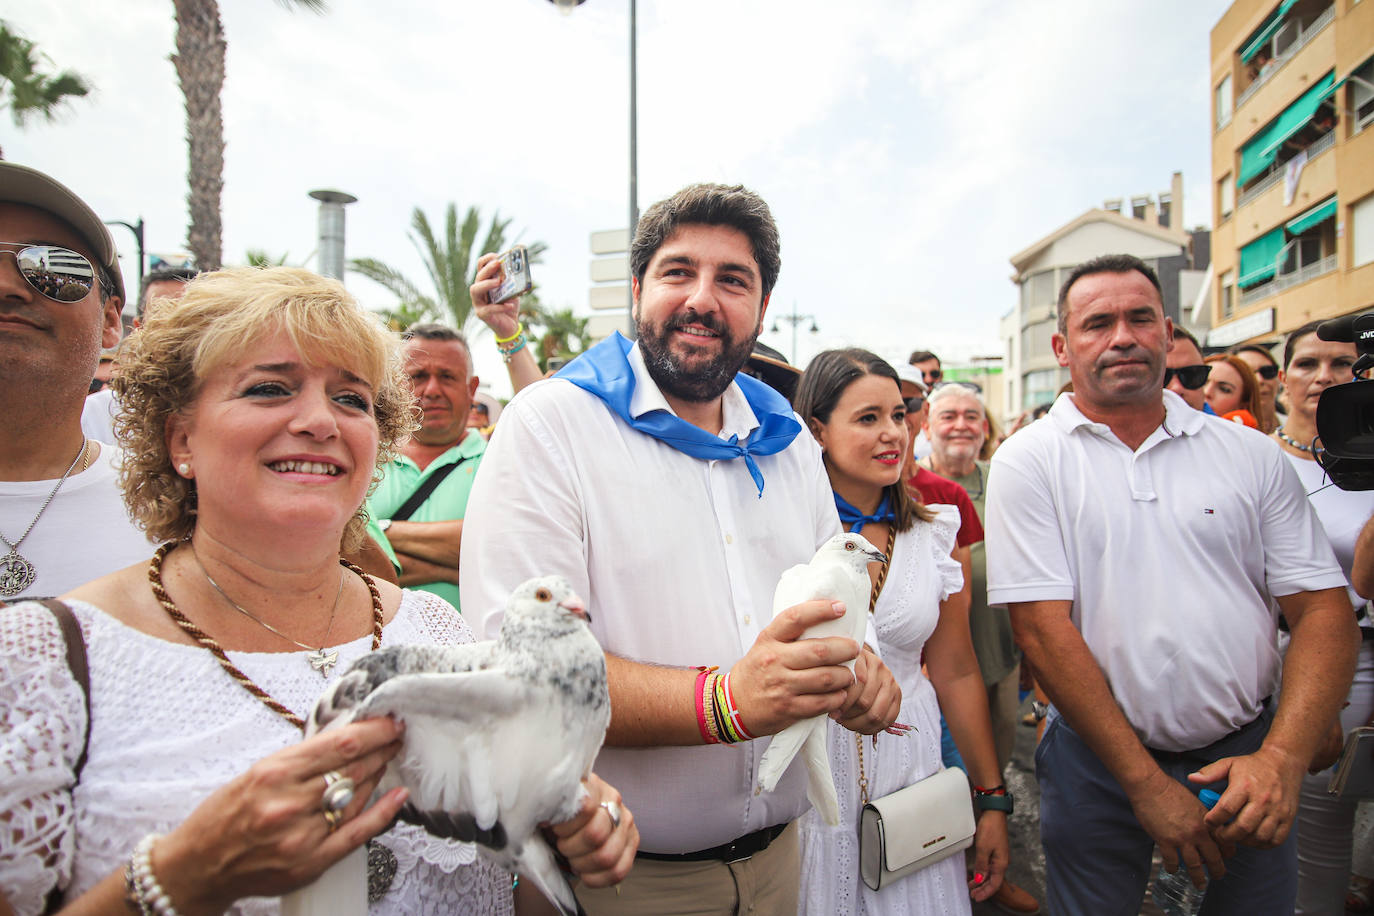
(914, 404)
(933, 375)
(97, 384)
(1269, 371)
(59, 274)
(1190, 377)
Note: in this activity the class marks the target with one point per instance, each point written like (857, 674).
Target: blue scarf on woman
(854, 520)
(605, 371)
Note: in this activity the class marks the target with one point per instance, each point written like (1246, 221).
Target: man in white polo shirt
(672, 493)
(1141, 546)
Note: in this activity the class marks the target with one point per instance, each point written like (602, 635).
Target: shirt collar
(1178, 416)
(737, 417)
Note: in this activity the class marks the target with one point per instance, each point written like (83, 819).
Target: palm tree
(199, 60)
(30, 90)
(449, 263)
(564, 334)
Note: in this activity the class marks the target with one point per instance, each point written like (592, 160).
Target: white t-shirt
(98, 415)
(84, 533)
(677, 559)
(1170, 554)
(1342, 513)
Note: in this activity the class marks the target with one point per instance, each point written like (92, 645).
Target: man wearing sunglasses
(62, 521)
(1184, 372)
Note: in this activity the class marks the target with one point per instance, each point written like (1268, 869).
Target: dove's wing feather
(537, 863)
(820, 784)
(782, 749)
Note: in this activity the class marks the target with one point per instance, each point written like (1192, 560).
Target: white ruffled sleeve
(43, 713)
(944, 531)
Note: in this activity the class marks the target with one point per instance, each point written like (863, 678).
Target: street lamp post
(567, 6)
(795, 319)
(137, 230)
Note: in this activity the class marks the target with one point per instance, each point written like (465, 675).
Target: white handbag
(914, 827)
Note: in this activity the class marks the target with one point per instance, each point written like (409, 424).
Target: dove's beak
(573, 605)
(876, 556)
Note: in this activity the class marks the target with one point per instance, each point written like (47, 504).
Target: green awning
(1318, 214)
(1254, 158)
(1257, 258)
(1266, 32)
(1296, 116)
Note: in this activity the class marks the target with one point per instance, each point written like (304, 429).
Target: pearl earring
(185, 469)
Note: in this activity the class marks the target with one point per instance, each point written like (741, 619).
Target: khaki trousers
(765, 885)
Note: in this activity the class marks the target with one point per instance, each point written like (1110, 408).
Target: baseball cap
(913, 375)
(20, 184)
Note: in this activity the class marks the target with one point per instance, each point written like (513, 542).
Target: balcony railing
(1275, 174)
(1283, 281)
(1304, 36)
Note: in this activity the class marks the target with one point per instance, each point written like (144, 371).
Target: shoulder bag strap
(423, 491)
(76, 661)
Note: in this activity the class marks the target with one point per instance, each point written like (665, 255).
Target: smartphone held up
(515, 275)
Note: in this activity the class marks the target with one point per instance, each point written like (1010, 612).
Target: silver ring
(338, 791)
(612, 809)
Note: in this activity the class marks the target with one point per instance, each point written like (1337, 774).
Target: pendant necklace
(16, 572)
(322, 659)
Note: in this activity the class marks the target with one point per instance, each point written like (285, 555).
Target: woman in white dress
(852, 402)
(1324, 824)
(255, 412)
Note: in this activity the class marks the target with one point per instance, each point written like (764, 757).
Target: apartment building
(1151, 228)
(1292, 166)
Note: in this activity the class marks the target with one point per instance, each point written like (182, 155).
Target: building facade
(1151, 229)
(1292, 166)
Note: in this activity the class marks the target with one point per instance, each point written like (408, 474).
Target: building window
(1041, 288)
(1228, 294)
(1362, 232)
(1226, 197)
(1039, 387)
(1362, 96)
(1224, 102)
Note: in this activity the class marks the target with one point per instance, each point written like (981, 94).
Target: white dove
(838, 571)
(499, 735)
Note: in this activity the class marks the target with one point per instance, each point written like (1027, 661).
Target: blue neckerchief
(854, 520)
(1207, 408)
(605, 371)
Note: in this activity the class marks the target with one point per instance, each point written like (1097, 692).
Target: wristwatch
(994, 801)
(384, 524)
(1038, 709)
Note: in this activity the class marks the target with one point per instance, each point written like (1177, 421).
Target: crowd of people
(272, 485)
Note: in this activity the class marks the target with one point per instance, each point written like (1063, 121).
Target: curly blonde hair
(220, 318)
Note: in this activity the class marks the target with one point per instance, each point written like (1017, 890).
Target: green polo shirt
(449, 500)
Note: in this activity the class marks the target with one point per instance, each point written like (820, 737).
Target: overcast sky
(907, 149)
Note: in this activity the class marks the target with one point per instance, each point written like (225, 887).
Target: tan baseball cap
(20, 184)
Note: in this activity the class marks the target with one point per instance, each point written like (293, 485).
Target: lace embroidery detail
(158, 748)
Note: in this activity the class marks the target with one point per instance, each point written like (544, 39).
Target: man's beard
(705, 382)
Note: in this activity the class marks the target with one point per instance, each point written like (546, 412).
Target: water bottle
(1174, 891)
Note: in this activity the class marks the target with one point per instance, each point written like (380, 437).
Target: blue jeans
(1097, 856)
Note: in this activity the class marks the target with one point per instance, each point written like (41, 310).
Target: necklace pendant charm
(323, 661)
(16, 574)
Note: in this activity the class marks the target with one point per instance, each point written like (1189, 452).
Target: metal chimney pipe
(331, 256)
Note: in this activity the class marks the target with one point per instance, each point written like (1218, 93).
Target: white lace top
(921, 575)
(168, 727)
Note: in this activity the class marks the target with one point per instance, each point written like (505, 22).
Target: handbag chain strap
(872, 603)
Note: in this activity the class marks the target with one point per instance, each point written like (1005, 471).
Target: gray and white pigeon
(499, 734)
(838, 571)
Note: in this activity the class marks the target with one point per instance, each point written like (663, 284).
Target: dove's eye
(850, 545)
(543, 594)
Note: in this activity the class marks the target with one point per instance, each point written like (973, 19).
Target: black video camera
(1345, 413)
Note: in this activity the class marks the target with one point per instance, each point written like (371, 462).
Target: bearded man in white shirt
(672, 494)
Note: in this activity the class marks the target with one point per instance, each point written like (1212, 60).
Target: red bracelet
(699, 694)
(995, 790)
